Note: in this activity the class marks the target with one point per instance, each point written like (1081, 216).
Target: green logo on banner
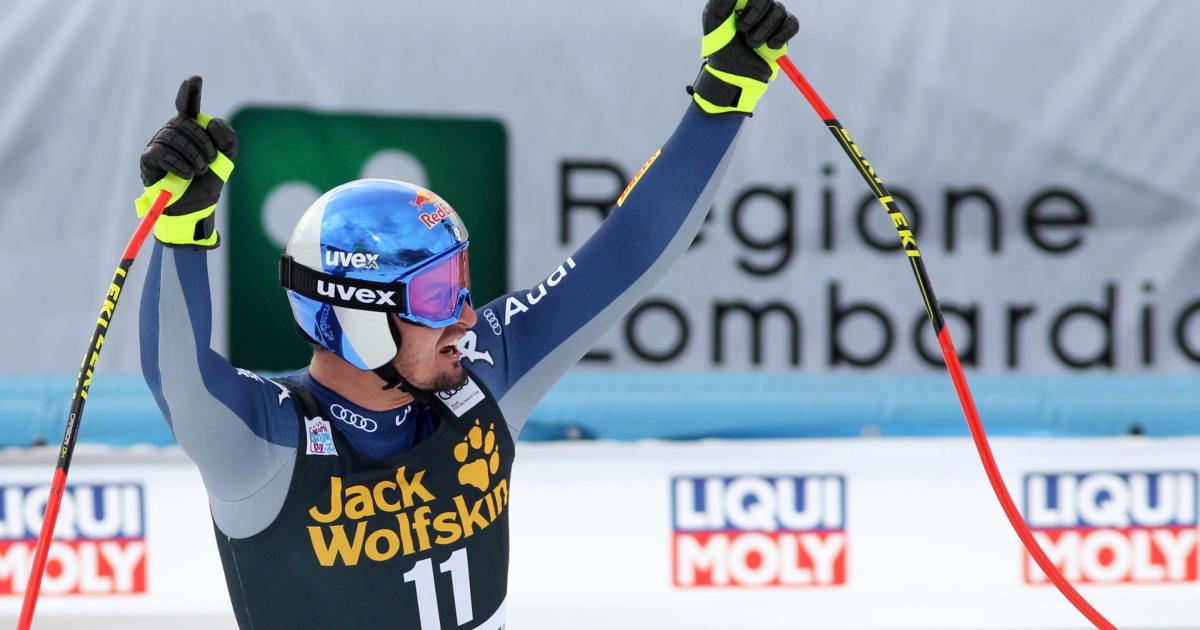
(289, 157)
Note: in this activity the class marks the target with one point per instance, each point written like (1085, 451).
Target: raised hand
(743, 40)
(192, 156)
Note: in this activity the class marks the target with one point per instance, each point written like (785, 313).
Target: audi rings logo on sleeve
(353, 419)
(493, 321)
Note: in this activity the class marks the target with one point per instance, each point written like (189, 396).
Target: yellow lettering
(384, 504)
(408, 487)
(106, 313)
(894, 214)
(907, 240)
(391, 541)
(501, 492)
(87, 382)
(491, 506)
(448, 530)
(421, 526)
(114, 291)
(471, 518)
(339, 546)
(358, 502)
(335, 503)
(405, 535)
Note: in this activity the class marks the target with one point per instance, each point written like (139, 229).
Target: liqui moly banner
(752, 530)
(824, 534)
(1103, 527)
(99, 545)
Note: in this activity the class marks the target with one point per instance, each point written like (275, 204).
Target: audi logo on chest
(353, 419)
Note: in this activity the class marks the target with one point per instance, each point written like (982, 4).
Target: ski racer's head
(376, 273)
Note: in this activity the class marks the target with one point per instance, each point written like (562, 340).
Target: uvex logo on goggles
(341, 291)
(360, 295)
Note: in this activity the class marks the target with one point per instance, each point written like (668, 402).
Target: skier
(371, 489)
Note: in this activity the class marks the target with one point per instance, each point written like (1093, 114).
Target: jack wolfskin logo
(484, 458)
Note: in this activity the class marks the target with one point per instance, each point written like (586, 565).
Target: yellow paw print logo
(486, 462)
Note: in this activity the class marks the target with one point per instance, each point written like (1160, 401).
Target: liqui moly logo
(99, 545)
(759, 531)
(1114, 527)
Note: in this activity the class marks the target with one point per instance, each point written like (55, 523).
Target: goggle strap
(384, 297)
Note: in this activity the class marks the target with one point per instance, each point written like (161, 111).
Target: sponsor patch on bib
(461, 399)
(320, 437)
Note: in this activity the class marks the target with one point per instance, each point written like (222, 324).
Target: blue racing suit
(256, 441)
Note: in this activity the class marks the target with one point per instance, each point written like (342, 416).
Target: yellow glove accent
(181, 229)
(751, 91)
(772, 55)
(222, 166)
(723, 34)
(172, 183)
(719, 37)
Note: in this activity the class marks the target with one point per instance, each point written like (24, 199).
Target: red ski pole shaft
(75, 416)
(948, 353)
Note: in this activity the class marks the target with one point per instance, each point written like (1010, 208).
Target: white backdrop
(1085, 104)
(923, 543)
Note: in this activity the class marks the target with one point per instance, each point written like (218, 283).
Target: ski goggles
(432, 295)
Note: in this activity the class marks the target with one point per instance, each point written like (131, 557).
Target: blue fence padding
(630, 406)
(120, 411)
(687, 406)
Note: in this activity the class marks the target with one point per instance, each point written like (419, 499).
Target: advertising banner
(101, 546)
(714, 535)
(1045, 170)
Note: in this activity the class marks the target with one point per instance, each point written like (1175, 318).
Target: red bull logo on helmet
(1114, 527)
(441, 211)
(99, 545)
(759, 531)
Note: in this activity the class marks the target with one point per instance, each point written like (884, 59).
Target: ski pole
(908, 241)
(75, 415)
(187, 103)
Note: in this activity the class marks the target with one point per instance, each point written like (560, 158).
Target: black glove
(193, 147)
(743, 40)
